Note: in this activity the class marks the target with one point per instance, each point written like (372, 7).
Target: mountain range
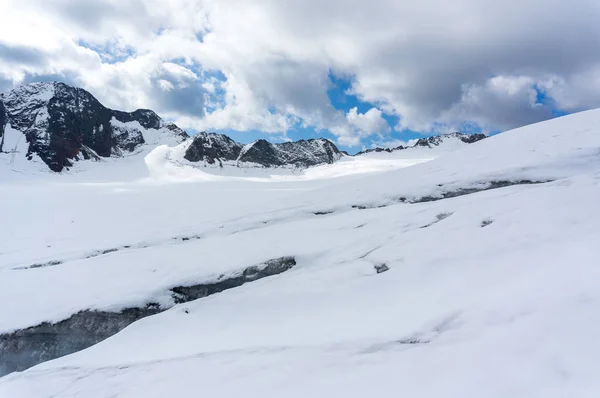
(61, 124)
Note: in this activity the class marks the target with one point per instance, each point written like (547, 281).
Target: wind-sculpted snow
(490, 285)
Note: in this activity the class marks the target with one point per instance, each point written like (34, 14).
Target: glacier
(491, 287)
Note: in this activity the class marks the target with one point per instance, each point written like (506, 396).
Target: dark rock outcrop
(381, 268)
(303, 153)
(261, 152)
(471, 138)
(63, 123)
(430, 142)
(212, 148)
(216, 148)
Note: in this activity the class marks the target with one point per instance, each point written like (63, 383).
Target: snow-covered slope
(474, 274)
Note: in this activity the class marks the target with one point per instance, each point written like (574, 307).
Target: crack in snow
(24, 348)
(477, 187)
(102, 252)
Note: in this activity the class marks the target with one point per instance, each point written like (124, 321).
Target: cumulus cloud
(435, 66)
(502, 102)
(370, 122)
(358, 125)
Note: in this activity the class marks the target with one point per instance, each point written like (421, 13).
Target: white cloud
(433, 65)
(392, 143)
(575, 92)
(165, 85)
(209, 87)
(500, 103)
(369, 122)
(357, 125)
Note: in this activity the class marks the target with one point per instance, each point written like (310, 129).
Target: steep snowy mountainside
(474, 274)
(62, 124)
(211, 149)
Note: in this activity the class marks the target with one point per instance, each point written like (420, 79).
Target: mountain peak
(63, 124)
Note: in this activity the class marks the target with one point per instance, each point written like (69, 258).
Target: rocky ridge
(430, 142)
(213, 148)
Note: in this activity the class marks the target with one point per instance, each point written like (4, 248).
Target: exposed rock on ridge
(431, 142)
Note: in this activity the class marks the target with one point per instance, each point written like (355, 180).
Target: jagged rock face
(211, 148)
(303, 153)
(431, 142)
(145, 117)
(261, 152)
(216, 148)
(63, 123)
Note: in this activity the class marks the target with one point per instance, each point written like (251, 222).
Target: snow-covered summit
(62, 124)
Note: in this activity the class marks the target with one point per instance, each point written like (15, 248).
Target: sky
(362, 73)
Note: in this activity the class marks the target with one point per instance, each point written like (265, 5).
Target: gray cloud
(90, 13)
(69, 78)
(5, 84)
(96, 15)
(291, 86)
(185, 98)
(21, 55)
